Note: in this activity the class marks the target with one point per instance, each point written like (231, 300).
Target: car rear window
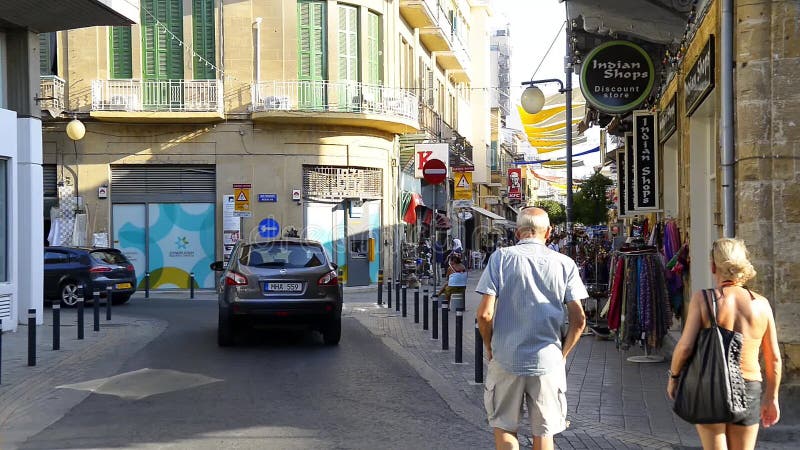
(285, 255)
(109, 257)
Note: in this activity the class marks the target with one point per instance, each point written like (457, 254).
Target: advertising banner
(425, 152)
(645, 161)
(515, 184)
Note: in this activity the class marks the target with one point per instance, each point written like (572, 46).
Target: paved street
(155, 378)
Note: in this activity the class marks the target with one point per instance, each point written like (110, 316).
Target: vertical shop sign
(630, 175)
(645, 161)
(621, 172)
(231, 226)
(700, 79)
(667, 120)
(515, 184)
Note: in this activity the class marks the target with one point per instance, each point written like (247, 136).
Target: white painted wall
(8, 151)
(31, 227)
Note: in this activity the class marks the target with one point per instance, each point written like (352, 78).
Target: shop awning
(487, 213)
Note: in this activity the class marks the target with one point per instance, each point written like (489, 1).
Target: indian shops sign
(617, 76)
(700, 79)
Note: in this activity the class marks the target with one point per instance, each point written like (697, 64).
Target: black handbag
(711, 388)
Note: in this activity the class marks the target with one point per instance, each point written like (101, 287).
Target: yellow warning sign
(463, 186)
(241, 203)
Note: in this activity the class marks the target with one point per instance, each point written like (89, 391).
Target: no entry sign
(434, 171)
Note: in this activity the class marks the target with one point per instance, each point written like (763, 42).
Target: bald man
(525, 288)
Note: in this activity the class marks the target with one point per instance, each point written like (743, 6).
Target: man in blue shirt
(525, 288)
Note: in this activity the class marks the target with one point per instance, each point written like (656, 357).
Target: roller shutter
(163, 183)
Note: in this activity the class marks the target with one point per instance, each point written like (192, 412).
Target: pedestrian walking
(525, 288)
(743, 312)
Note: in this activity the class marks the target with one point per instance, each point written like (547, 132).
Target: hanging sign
(621, 186)
(241, 199)
(700, 79)
(426, 152)
(645, 161)
(515, 184)
(617, 76)
(667, 120)
(630, 175)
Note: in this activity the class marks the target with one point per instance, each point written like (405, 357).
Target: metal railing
(165, 96)
(52, 92)
(327, 96)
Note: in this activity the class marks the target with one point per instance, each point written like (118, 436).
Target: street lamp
(532, 102)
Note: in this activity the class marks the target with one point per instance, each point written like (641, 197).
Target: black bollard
(191, 285)
(380, 288)
(425, 309)
(478, 354)
(109, 301)
(80, 318)
(405, 300)
(416, 305)
(397, 295)
(445, 325)
(459, 336)
(56, 325)
(31, 337)
(389, 293)
(435, 316)
(96, 309)
(147, 285)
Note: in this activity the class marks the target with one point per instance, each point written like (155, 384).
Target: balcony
(144, 101)
(52, 94)
(336, 103)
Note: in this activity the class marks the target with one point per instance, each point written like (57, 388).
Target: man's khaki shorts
(545, 396)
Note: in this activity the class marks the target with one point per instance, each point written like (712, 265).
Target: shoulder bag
(711, 388)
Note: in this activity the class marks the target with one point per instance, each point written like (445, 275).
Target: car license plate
(283, 287)
(123, 285)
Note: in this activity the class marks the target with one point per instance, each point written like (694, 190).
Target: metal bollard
(478, 354)
(459, 336)
(380, 288)
(405, 301)
(416, 305)
(109, 301)
(96, 309)
(31, 337)
(56, 325)
(80, 318)
(389, 293)
(425, 309)
(147, 285)
(435, 317)
(191, 285)
(397, 295)
(445, 325)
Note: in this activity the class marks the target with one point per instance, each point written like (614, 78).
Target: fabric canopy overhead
(546, 130)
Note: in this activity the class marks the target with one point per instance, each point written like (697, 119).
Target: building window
(311, 52)
(4, 205)
(348, 43)
(120, 60)
(162, 33)
(374, 49)
(204, 44)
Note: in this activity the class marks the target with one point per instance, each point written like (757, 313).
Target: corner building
(302, 100)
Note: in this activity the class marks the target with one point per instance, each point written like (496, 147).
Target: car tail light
(100, 269)
(329, 279)
(235, 279)
(129, 268)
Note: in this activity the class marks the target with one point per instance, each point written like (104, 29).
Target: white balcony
(170, 99)
(52, 94)
(345, 103)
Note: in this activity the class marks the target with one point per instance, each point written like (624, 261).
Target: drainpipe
(727, 151)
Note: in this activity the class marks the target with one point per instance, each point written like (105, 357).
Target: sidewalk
(612, 403)
(29, 399)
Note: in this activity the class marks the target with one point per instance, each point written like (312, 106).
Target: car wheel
(224, 329)
(332, 332)
(120, 299)
(69, 293)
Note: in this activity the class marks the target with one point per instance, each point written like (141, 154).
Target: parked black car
(282, 282)
(65, 268)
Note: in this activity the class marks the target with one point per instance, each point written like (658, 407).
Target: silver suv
(279, 282)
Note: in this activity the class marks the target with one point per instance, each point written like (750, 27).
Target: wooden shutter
(374, 50)
(348, 43)
(204, 43)
(120, 45)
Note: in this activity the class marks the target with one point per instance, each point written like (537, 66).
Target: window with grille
(338, 183)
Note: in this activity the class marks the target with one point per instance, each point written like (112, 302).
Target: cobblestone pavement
(612, 403)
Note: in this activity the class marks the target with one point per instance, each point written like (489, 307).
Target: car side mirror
(217, 266)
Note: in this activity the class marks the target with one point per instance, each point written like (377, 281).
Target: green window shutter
(162, 55)
(120, 45)
(204, 42)
(348, 43)
(374, 50)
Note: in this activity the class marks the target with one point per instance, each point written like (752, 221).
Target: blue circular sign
(269, 228)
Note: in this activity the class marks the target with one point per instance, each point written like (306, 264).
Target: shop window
(4, 205)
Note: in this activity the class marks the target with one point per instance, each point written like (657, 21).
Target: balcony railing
(326, 96)
(157, 96)
(52, 94)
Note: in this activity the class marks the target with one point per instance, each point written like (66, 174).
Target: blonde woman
(744, 311)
